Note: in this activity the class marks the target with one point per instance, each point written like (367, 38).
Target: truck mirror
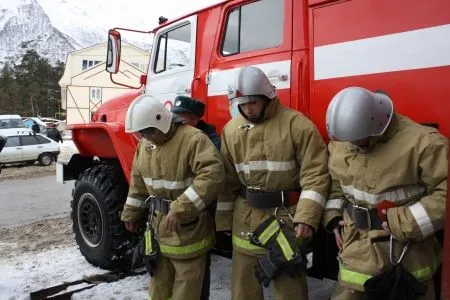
(113, 54)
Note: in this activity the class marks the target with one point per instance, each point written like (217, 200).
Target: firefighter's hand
(132, 227)
(303, 231)
(173, 222)
(338, 235)
(385, 224)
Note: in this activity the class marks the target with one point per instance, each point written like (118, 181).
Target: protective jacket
(284, 152)
(186, 168)
(407, 165)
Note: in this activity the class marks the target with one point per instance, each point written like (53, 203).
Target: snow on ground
(33, 271)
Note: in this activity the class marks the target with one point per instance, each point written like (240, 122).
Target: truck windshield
(11, 123)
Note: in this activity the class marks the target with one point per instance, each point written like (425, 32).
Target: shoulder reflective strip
(395, 195)
(187, 249)
(220, 79)
(148, 242)
(225, 206)
(409, 50)
(265, 165)
(195, 198)
(167, 184)
(269, 232)
(285, 246)
(423, 220)
(313, 195)
(134, 202)
(244, 244)
(334, 204)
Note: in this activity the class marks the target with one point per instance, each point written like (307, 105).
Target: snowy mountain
(44, 25)
(24, 25)
(55, 27)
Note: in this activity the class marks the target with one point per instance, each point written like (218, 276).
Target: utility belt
(364, 218)
(260, 199)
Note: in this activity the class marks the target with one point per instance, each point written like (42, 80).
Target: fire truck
(309, 49)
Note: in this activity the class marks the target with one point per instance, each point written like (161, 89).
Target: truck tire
(98, 198)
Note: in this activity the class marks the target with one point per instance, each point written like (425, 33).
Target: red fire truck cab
(309, 49)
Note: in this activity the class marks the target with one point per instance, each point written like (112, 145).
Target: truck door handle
(185, 91)
(19, 148)
(40, 147)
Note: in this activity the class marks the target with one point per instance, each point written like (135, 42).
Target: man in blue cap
(192, 111)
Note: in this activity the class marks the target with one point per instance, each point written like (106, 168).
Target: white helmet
(356, 113)
(250, 81)
(147, 112)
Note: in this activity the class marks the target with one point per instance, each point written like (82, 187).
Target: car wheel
(45, 159)
(98, 198)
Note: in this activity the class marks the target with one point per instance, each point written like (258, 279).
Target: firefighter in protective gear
(275, 164)
(378, 156)
(180, 169)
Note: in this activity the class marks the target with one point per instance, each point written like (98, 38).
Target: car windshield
(11, 123)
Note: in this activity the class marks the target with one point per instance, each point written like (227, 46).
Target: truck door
(251, 33)
(172, 63)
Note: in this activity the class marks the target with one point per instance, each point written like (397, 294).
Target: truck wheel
(98, 198)
(45, 159)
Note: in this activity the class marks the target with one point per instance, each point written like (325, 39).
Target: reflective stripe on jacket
(408, 165)
(186, 169)
(284, 152)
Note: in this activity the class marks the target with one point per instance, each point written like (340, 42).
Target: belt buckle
(253, 189)
(366, 210)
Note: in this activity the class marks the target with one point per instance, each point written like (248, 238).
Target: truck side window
(246, 23)
(174, 49)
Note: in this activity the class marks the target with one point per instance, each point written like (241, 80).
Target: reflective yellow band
(353, 277)
(360, 278)
(244, 244)
(285, 247)
(148, 242)
(200, 245)
(269, 232)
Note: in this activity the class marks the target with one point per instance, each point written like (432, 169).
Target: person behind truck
(54, 134)
(389, 179)
(35, 127)
(191, 111)
(177, 172)
(276, 183)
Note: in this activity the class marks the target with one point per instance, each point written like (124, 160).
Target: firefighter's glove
(147, 252)
(266, 233)
(283, 255)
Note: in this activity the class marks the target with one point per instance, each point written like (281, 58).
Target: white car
(29, 148)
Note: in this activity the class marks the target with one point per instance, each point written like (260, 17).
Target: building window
(246, 23)
(86, 64)
(95, 93)
(174, 49)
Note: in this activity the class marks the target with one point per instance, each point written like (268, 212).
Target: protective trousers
(245, 286)
(343, 293)
(178, 278)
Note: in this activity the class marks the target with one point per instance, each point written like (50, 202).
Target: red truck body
(310, 50)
